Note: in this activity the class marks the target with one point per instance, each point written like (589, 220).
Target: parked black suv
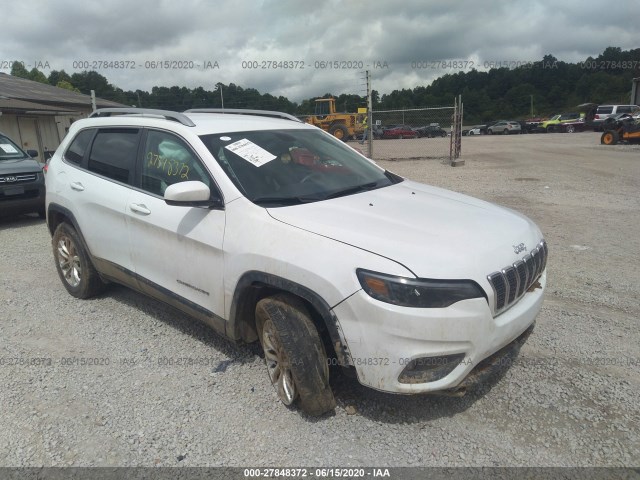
(21, 180)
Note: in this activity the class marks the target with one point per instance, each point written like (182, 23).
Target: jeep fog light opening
(430, 369)
(419, 292)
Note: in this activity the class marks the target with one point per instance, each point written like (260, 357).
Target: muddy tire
(294, 354)
(74, 267)
(340, 132)
(610, 137)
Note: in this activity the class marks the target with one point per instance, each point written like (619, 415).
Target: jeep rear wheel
(75, 269)
(294, 354)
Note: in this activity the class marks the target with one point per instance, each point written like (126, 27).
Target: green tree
(56, 77)
(87, 81)
(67, 86)
(37, 76)
(18, 70)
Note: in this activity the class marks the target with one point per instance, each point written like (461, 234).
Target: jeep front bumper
(416, 350)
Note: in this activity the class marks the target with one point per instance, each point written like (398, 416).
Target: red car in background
(399, 131)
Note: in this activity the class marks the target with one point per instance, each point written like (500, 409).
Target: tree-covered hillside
(550, 85)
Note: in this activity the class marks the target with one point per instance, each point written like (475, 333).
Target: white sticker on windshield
(8, 148)
(225, 139)
(251, 152)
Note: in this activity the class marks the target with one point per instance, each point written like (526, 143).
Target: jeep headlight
(417, 292)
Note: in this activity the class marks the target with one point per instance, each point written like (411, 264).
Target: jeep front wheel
(75, 269)
(294, 354)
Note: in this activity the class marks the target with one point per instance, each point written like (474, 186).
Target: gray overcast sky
(362, 32)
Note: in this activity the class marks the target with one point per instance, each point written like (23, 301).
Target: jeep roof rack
(152, 112)
(240, 111)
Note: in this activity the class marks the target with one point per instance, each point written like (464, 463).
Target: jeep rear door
(98, 178)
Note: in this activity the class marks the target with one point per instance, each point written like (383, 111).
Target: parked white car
(271, 230)
(504, 128)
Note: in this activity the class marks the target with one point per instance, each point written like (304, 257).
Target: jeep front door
(176, 250)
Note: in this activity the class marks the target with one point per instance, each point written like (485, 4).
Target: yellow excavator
(343, 126)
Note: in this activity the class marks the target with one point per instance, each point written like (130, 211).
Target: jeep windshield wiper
(296, 200)
(351, 190)
(284, 200)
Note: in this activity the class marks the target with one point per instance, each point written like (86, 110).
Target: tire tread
(303, 345)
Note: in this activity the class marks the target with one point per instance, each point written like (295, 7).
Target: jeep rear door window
(166, 159)
(284, 167)
(113, 153)
(75, 152)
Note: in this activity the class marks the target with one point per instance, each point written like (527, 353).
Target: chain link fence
(420, 133)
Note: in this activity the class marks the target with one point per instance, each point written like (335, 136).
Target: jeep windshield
(9, 150)
(289, 167)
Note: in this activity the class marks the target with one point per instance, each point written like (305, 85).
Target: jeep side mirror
(32, 153)
(191, 194)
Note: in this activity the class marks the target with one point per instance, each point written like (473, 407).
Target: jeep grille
(511, 282)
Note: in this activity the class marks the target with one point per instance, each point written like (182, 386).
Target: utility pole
(531, 105)
(93, 100)
(369, 115)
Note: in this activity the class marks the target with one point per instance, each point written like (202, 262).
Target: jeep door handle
(139, 208)
(77, 186)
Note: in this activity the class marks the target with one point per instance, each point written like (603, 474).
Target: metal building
(37, 115)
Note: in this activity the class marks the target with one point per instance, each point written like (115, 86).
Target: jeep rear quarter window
(75, 152)
(113, 153)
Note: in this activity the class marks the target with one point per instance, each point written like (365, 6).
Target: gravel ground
(571, 399)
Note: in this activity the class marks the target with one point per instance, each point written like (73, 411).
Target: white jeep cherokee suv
(270, 229)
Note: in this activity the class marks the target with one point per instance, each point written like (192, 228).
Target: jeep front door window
(167, 160)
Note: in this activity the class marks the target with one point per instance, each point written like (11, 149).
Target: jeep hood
(433, 232)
